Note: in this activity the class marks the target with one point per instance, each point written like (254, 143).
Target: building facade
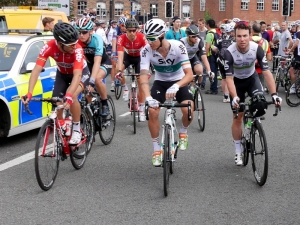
(269, 11)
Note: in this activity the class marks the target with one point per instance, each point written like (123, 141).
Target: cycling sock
(183, 129)
(104, 101)
(76, 126)
(237, 146)
(142, 107)
(155, 142)
(226, 96)
(125, 87)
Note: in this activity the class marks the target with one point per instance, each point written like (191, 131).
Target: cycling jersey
(197, 47)
(132, 48)
(96, 48)
(112, 35)
(66, 63)
(169, 68)
(242, 65)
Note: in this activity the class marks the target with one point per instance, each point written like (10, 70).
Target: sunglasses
(242, 22)
(152, 38)
(83, 32)
(72, 45)
(193, 36)
(131, 31)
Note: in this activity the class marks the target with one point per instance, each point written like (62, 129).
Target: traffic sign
(132, 13)
(62, 5)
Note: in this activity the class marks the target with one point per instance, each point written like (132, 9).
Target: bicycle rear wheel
(259, 153)
(108, 124)
(78, 153)
(134, 108)
(118, 89)
(47, 153)
(245, 146)
(199, 107)
(293, 94)
(90, 129)
(167, 159)
(278, 78)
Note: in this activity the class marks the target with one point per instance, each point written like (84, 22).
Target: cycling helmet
(154, 27)
(228, 28)
(131, 23)
(297, 22)
(122, 20)
(236, 20)
(222, 26)
(65, 33)
(192, 30)
(84, 24)
(113, 21)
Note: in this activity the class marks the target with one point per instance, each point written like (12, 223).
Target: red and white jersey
(132, 48)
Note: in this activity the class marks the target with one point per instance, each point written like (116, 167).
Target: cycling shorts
(250, 85)
(296, 63)
(195, 61)
(159, 89)
(135, 60)
(106, 65)
(63, 81)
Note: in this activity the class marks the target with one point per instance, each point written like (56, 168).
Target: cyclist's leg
(184, 96)
(197, 67)
(224, 84)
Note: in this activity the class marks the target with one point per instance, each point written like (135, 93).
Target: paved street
(118, 184)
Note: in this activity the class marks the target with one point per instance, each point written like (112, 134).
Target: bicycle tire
(166, 160)
(278, 78)
(292, 95)
(245, 151)
(133, 109)
(108, 124)
(45, 136)
(78, 154)
(199, 107)
(118, 90)
(91, 129)
(259, 152)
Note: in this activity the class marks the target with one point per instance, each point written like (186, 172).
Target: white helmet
(297, 22)
(236, 20)
(154, 27)
(228, 28)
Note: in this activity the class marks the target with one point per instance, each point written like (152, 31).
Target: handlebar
(277, 108)
(52, 100)
(169, 105)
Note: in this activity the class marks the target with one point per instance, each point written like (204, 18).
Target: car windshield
(8, 54)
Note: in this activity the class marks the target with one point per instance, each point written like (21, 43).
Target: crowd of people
(236, 50)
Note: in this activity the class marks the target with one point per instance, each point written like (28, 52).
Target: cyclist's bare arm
(96, 66)
(231, 86)
(120, 60)
(114, 45)
(205, 62)
(187, 78)
(75, 81)
(144, 82)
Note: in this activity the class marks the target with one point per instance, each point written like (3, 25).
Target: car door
(42, 89)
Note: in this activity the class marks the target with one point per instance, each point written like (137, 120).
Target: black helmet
(65, 33)
(192, 30)
(131, 23)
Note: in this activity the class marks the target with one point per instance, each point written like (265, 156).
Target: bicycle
(198, 101)
(169, 139)
(104, 125)
(282, 72)
(52, 145)
(254, 142)
(292, 95)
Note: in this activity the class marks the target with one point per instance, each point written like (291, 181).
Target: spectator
(175, 33)
(167, 26)
(202, 29)
(275, 45)
(48, 23)
(101, 31)
(186, 23)
(93, 14)
(270, 32)
(86, 13)
(264, 33)
(285, 39)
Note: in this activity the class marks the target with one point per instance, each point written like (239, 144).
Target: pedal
(63, 156)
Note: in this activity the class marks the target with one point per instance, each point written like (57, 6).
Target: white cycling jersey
(194, 49)
(169, 68)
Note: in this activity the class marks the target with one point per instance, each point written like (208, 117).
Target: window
(275, 5)
(154, 10)
(119, 9)
(222, 5)
(260, 5)
(202, 5)
(186, 9)
(244, 5)
(101, 9)
(136, 7)
(81, 7)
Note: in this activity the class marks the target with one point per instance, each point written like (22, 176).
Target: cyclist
(241, 77)
(195, 46)
(98, 61)
(72, 72)
(129, 47)
(172, 75)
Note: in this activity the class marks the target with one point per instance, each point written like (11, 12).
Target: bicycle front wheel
(78, 153)
(167, 159)
(278, 78)
(107, 129)
(199, 107)
(292, 96)
(134, 108)
(47, 153)
(118, 90)
(259, 153)
(89, 129)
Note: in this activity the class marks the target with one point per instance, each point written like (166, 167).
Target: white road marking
(17, 161)
(125, 114)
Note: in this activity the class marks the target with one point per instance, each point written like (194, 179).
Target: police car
(18, 53)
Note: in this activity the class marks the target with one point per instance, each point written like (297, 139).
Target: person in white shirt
(101, 31)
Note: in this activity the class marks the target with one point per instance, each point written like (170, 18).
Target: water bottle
(192, 89)
(117, 82)
(68, 122)
(247, 130)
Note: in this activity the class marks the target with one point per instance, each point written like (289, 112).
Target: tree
(207, 15)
